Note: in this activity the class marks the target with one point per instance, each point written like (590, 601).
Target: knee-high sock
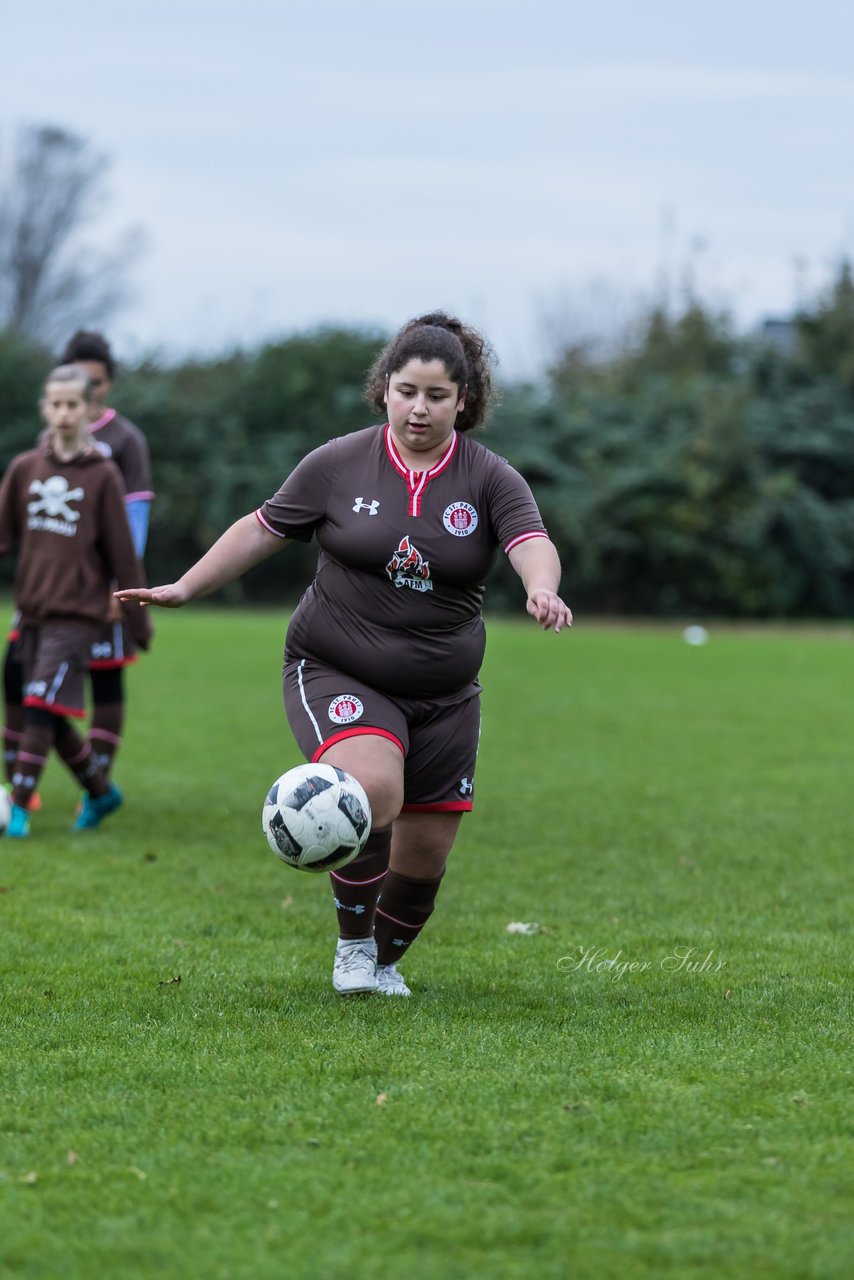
(12, 740)
(404, 908)
(79, 757)
(13, 719)
(105, 732)
(38, 738)
(108, 715)
(356, 887)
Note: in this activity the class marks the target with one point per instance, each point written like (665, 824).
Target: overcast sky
(332, 161)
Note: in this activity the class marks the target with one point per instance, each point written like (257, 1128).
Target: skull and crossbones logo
(53, 498)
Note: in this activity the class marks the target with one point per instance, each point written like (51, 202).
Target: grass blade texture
(653, 1079)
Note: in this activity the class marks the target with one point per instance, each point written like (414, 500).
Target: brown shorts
(112, 646)
(55, 657)
(437, 736)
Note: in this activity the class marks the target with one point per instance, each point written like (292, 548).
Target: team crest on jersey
(408, 568)
(460, 519)
(345, 708)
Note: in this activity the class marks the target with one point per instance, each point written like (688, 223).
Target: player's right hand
(171, 596)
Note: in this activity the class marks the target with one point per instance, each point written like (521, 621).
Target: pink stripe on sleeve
(523, 537)
(267, 526)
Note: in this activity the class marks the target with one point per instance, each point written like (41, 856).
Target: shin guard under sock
(12, 741)
(104, 735)
(108, 715)
(30, 760)
(79, 757)
(356, 887)
(405, 907)
(13, 721)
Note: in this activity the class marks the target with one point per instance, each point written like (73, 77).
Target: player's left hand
(549, 610)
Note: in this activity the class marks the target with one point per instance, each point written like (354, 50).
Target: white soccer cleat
(355, 968)
(390, 982)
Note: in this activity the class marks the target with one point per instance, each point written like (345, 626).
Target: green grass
(529, 1112)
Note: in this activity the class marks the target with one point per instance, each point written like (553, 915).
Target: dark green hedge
(696, 472)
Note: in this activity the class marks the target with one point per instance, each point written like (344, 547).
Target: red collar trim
(400, 465)
(416, 481)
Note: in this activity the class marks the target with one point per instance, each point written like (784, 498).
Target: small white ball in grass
(695, 635)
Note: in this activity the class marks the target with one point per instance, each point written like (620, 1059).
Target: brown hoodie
(71, 527)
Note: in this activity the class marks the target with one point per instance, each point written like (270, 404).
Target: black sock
(405, 907)
(108, 715)
(79, 757)
(32, 757)
(356, 887)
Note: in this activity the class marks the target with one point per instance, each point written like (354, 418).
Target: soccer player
(63, 504)
(113, 647)
(383, 652)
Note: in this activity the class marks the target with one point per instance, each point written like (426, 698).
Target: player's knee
(383, 788)
(386, 801)
(378, 765)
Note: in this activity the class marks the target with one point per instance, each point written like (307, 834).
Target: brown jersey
(69, 521)
(121, 440)
(397, 597)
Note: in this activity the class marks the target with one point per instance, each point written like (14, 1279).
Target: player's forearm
(243, 545)
(537, 564)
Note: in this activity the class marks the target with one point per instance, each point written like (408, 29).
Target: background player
(383, 652)
(113, 647)
(63, 504)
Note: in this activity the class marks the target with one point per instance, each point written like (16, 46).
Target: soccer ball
(5, 810)
(316, 817)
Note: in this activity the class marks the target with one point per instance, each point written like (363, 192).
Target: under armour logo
(342, 906)
(371, 507)
(466, 787)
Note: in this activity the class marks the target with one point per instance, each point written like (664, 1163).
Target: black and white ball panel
(316, 817)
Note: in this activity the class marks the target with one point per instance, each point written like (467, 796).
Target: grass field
(657, 1083)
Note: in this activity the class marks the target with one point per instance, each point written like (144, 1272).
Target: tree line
(693, 472)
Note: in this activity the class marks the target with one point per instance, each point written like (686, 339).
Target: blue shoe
(96, 808)
(19, 824)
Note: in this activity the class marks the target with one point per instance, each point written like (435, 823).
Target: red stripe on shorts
(55, 708)
(440, 806)
(356, 733)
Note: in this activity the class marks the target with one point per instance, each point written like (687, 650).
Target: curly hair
(88, 345)
(467, 356)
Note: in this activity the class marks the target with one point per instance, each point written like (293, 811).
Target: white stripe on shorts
(54, 689)
(305, 702)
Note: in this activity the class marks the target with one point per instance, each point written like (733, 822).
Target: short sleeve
(135, 465)
(115, 531)
(513, 510)
(299, 506)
